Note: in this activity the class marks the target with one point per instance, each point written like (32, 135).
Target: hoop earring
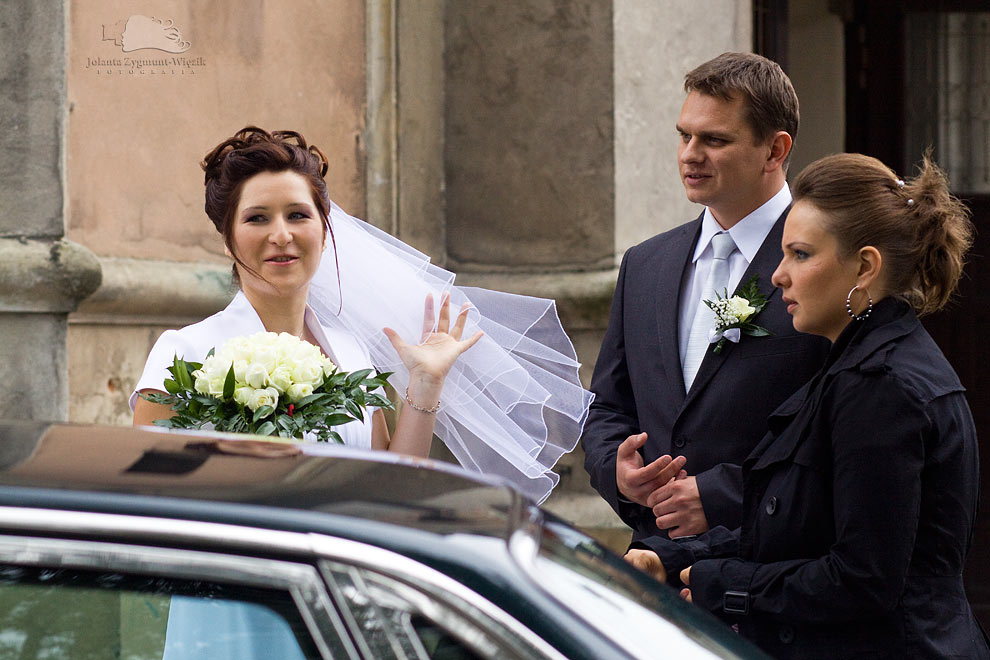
(869, 308)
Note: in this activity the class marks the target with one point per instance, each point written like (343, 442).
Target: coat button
(786, 634)
(679, 442)
(771, 505)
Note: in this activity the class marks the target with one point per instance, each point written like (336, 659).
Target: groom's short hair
(770, 100)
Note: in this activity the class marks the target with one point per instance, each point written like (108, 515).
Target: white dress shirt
(748, 234)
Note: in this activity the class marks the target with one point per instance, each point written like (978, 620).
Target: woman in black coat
(859, 504)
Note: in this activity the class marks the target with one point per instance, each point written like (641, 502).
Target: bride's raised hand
(431, 359)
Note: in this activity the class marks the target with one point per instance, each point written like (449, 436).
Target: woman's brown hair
(921, 230)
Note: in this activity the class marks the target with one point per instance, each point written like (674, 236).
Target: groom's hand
(677, 506)
(637, 481)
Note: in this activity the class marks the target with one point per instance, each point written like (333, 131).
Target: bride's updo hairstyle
(251, 151)
(921, 231)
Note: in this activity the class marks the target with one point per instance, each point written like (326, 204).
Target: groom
(660, 390)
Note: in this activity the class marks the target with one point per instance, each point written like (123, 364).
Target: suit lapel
(672, 266)
(764, 263)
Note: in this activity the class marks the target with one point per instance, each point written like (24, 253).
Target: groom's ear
(780, 145)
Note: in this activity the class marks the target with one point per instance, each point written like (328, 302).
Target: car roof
(200, 475)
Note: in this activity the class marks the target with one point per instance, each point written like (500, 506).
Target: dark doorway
(918, 75)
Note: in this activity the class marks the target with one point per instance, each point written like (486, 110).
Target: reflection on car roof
(99, 467)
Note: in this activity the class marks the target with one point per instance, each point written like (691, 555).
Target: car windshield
(609, 595)
(82, 615)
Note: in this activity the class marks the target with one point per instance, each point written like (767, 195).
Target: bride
(510, 407)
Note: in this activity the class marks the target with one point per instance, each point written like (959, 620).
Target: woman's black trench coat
(859, 506)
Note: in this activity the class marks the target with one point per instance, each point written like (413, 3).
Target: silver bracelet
(428, 411)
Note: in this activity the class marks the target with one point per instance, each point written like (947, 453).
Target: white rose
(739, 307)
(281, 378)
(240, 370)
(256, 376)
(264, 397)
(202, 384)
(236, 349)
(308, 372)
(299, 391)
(265, 358)
(210, 382)
(242, 395)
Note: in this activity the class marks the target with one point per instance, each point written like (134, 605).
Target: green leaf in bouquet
(287, 424)
(228, 383)
(181, 373)
(355, 378)
(172, 387)
(378, 401)
(316, 398)
(261, 413)
(337, 419)
(353, 409)
(265, 429)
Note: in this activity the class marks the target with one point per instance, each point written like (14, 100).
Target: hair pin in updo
(900, 183)
(910, 202)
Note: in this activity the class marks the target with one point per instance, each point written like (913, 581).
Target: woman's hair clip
(900, 183)
(910, 202)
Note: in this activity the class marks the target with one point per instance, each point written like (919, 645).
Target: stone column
(42, 276)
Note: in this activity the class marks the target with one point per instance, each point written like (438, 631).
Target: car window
(395, 621)
(58, 613)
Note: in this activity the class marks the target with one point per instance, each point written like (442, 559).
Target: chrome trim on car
(301, 581)
(448, 591)
(232, 537)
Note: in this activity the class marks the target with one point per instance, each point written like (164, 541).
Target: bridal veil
(513, 404)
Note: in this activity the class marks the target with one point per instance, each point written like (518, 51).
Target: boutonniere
(733, 316)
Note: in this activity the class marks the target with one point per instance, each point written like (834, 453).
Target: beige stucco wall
(141, 120)
(529, 111)
(656, 43)
(137, 133)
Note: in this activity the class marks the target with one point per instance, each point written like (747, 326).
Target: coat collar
(862, 345)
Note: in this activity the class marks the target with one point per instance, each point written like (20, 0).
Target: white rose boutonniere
(268, 384)
(734, 316)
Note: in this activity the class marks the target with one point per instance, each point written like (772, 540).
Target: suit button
(679, 442)
(771, 505)
(786, 634)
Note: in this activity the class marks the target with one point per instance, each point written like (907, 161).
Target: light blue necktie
(704, 318)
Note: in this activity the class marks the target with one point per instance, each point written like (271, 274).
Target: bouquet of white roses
(268, 384)
(734, 316)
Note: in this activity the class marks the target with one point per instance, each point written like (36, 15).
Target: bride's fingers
(397, 342)
(468, 343)
(458, 328)
(443, 322)
(427, 316)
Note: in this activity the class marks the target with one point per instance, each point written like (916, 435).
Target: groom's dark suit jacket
(638, 383)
